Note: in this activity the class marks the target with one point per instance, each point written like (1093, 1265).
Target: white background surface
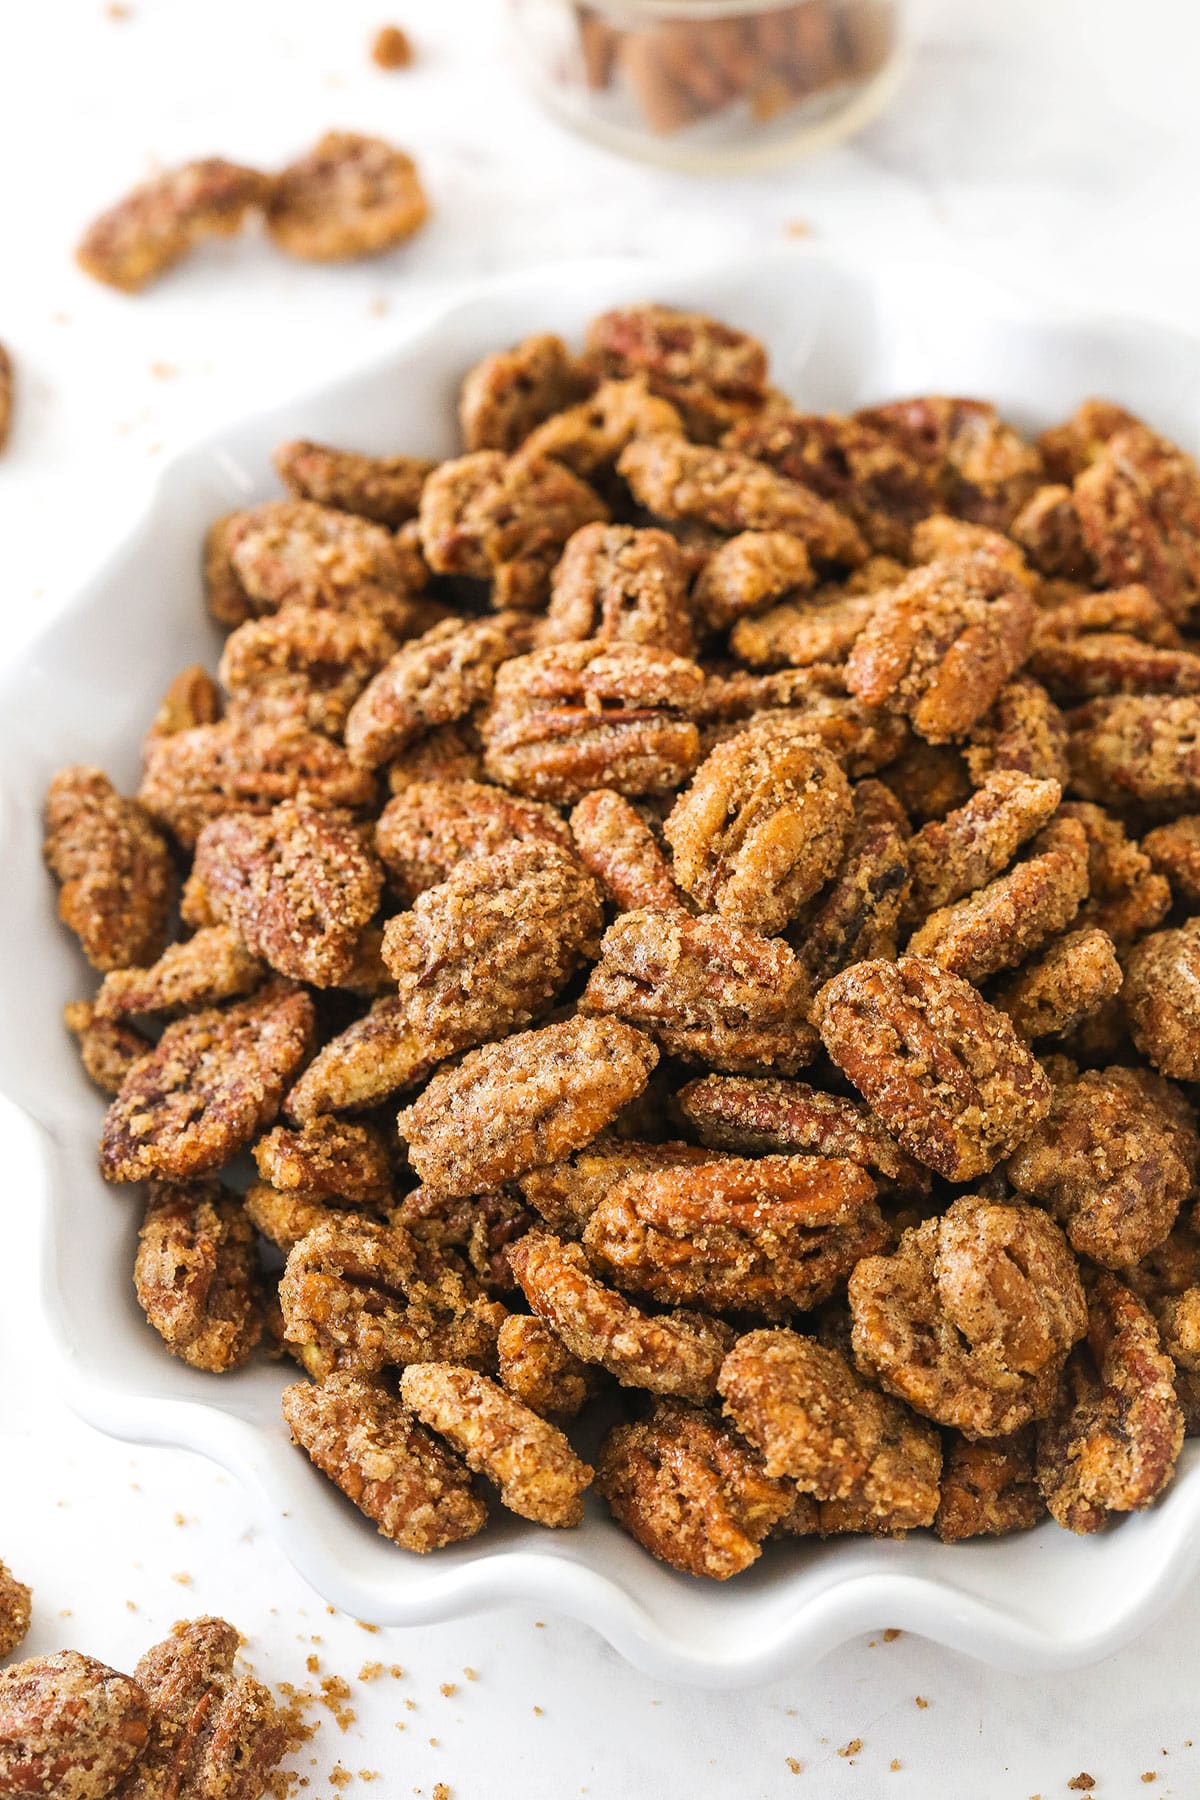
(1051, 139)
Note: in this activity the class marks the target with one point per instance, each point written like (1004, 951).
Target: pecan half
(535, 1365)
(431, 826)
(384, 489)
(589, 438)
(510, 392)
(296, 553)
(368, 1061)
(350, 196)
(192, 698)
(114, 867)
(954, 855)
(468, 1233)
(710, 371)
(617, 583)
(16, 1612)
(566, 1194)
(1137, 747)
(327, 1159)
(988, 1488)
(746, 573)
(304, 663)
(196, 1274)
(435, 680)
(1139, 508)
(617, 846)
(858, 914)
(1125, 897)
(1161, 1000)
(1174, 852)
(107, 1049)
(69, 1726)
(980, 468)
(157, 224)
(1063, 985)
(1023, 730)
(213, 965)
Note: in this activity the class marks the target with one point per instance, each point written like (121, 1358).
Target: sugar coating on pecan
(447, 753)
(677, 1352)
(940, 647)
(617, 846)
(192, 698)
(510, 392)
(1111, 1442)
(809, 703)
(384, 489)
(690, 1490)
(350, 196)
(298, 886)
(1023, 730)
(305, 663)
(573, 717)
(589, 438)
(1142, 747)
(430, 827)
(524, 1101)
(211, 966)
(530, 1462)
(954, 855)
(988, 1488)
(1065, 983)
(566, 1194)
(941, 535)
(707, 990)
(615, 582)
(537, 1368)
(196, 1274)
(1139, 508)
(212, 1082)
(297, 553)
(762, 825)
(1112, 662)
(1161, 1000)
(712, 372)
(69, 1726)
(327, 1158)
(1110, 1162)
(437, 679)
(1174, 852)
(980, 468)
(772, 1236)
(158, 223)
(929, 780)
(816, 629)
(1126, 898)
(748, 572)
(946, 1073)
(1070, 448)
(971, 1318)
(815, 1420)
(504, 520)
(858, 913)
(284, 1216)
(16, 1611)
(1131, 612)
(367, 1061)
(1049, 531)
(470, 1234)
(114, 868)
(107, 1048)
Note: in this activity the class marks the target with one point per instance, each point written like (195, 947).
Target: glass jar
(712, 84)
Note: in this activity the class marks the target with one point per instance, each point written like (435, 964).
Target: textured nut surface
(929, 780)
(15, 1611)
(192, 698)
(988, 1488)
(1070, 448)
(431, 826)
(384, 489)
(964, 850)
(537, 1368)
(213, 965)
(362, 1065)
(504, 520)
(114, 868)
(616, 845)
(979, 467)
(196, 1274)
(468, 1234)
(746, 573)
(1139, 508)
(304, 663)
(863, 738)
(107, 1049)
(1174, 852)
(814, 631)
(1063, 985)
(297, 553)
(589, 438)
(1144, 747)
(158, 223)
(710, 370)
(1126, 898)
(510, 392)
(858, 914)
(69, 1726)
(1161, 1000)
(327, 1158)
(1023, 730)
(350, 196)
(435, 680)
(567, 1193)
(618, 583)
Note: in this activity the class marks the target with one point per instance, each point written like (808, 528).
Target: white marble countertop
(1059, 142)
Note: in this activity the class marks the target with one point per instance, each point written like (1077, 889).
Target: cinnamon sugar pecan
(1049, 532)
(816, 629)
(447, 753)
(929, 780)
(350, 196)
(1132, 611)
(69, 1726)
(615, 582)
(196, 1275)
(566, 1194)
(510, 392)
(384, 489)
(430, 827)
(284, 1217)
(1141, 747)
(193, 698)
(988, 1488)
(955, 855)
(213, 965)
(157, 224)
(362, 1065)
(711, 372)
(535, 1365)
(1023, 730)
(304, 663)
(1070, 448)
(1138, 503)
(1161, 1000)
(327, 1158)
(858, 913)
(1112, 662)
(946, 1073)
(809, 703)
(748, 572)
(15, 1614)
(1125, 896)
(471, 1234)
(107, 1049)
(980, 468)
(114, 867)
(1174, 852)
(1068, 981)
(589, 438)
(972, 1317)
(397, 1473)
(617, 847)
(940, 536)
(296, 553)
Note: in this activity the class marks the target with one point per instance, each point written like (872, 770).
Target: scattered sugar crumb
(441, 1791)
(131, 1606)
(335, 1692)
(434, 1742)
(895, 1763)
(852, 1748)
(449, 1687)
(363, 1626)
(1149, 1775)
(794, 1764)
(391, 48)
(339, 1777)
(313, 1664)
(368, 1774)
(921, 1701)
(370, 1671)
(118, 12)
(471, 1674)
(797, 228)
(891, 1634)
(1083, 1783)
(411, 1705)
(183, 1578)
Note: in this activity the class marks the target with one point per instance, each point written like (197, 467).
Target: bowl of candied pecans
(637, 992)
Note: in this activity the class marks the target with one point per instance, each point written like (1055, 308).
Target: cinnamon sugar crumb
(794, 1764)
(339, 1777)
(441, 1791)
(852, 1748)
(183, 1578)
(335, 1692)
(891, 1634)
(391, 48)
(370, 1671)
(313, 1664)
(895, 1763)
(921, 1701)
(471, 1674)
(449, 1687)
(1083, 1783)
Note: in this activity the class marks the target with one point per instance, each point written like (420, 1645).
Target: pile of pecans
(754, 854)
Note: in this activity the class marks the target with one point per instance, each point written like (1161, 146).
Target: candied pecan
(385, 489)
(746, 573)
(211, 966)
(1114, 1435)
(1001, 924)
(504, 519)
(69, 1726)
(1161, 1000)
(988, 1488)
(929, 780)
(762, 825)
(447, 753)
(284, 1217)
(368, 1061)
(470, 1234)
(535, 1365)
(711, 372)
(211, 770)
(158, 223)
(971, 1318)
(940, 647)
(304, 663)
(196, 1276)
(811, 703)
(296, 553)
(434, 680)
(1109, 1163)
(955, 855)
(769, 1236)
(354, 1296)
(614, 582)
(1174, 852)
(1112, 662)
(676, 480)
(1126, 898)
(732, 1112)
(690, 1491)
(397, 1473)
(527, 1100)
(210, 1085)
(857, 914)
(946, 1072)
(327, 1158)
(1137, 747)
(227, 599)
(107, 1049)
(530, 1462)
(1138, 503)
(1070, 448)
(590, 437)
(707, 990)
(566, 1194)
(15, 1614)
(193, 698)
(298, 886)
(510, 392)
(573, 717)
(365, 974)
(1049, 532)
(814, 1419)
(114, 867)
(430, 827)
(1023, 730)
(1068, 981)
(675, 1353)
(1132, 611)
(980, 468)
(617, 847)
(350, 196)
(818, 629)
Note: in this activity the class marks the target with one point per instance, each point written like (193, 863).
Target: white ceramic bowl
(840, 335)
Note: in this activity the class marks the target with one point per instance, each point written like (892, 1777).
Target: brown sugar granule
(852, 1748)
(391, 48)
(794, 1764)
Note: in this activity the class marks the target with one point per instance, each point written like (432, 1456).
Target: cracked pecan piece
(1125, 897)
(210, 1085)
(1111, 1442)
(1138, 503)
(1099, 663)
(1174, 853)
(816, 1421)
(1161, 1000)
(814, 631)
(769, 1236)
(573, 717)
(528, 1460)
(350, 196)
(1068, 981)
(858, 913)
(327, 1159)
(394, 1471)
(711, 372)
(980, 468)
(504, 397)
(431, 827)
(971, 1318)
(674, 1353)
(589, 438)
(988, 1488)
(159, 223)
(525, 1101)
(762, 825)
(298, 886)
(616, 846)
(617, 583)
(192, 698)
(690, 1491)
(707, 990)
(304, 663)
(213, 965)
(16, 1611)
(471, 1234)
(945, 1072)
(284, 1217)
(107, 1049)
(371, 1059)
(1023, 730)
(940, 646)
(955, 855)
(297, 553)
(1137, 747)
(537, 1368)
(437, 679)
(566, 1194)
(196, 1274)
(69, 1726)
(747, 573)
(113, 866)
(384, 489)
